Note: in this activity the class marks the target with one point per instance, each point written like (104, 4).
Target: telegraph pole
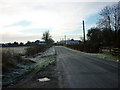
(65, 40)
(84, 31)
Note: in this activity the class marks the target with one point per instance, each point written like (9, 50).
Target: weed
(8, 61)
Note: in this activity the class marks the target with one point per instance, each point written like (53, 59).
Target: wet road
(77, 70)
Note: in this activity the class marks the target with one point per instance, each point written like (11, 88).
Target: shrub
(10, 60)
(88, 47)
(7, 61)
(32, 50)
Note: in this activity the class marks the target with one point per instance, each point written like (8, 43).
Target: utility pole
(60, 39)
(84, 31)
(65, 40)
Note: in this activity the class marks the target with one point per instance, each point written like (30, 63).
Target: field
(12, 56)
(17, 50)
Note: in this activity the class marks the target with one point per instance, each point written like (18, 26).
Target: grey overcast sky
(26, 20)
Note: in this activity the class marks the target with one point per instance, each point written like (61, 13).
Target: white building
(69, 42)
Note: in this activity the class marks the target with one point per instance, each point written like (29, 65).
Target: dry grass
(35, 49)
(10, 57)
(17, 50)
(8, 61)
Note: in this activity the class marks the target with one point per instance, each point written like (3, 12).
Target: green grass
(47, 61)
(104, 56)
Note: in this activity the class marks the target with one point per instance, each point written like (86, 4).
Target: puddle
(43, 79)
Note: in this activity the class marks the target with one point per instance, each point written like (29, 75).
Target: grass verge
(101, 55)
(32, 71)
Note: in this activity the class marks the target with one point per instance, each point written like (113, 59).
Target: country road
(77, 70)
(73, 69)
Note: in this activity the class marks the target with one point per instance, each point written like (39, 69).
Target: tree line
(107, 31)
(46, 37)
(15, 44)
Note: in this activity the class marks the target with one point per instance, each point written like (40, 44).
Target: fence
(95, 49)
(116, 51)
(113, 51)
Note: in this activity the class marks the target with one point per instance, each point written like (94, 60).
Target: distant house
(1, 44)
(42, 43)
(38, 42)
(69, 42)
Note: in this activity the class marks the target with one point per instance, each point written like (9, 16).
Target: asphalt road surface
(77, 70)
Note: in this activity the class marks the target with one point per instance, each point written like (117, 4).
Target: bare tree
(116, 22)
(105, 18)
(47, 37)
(110, 22)
(116, 16)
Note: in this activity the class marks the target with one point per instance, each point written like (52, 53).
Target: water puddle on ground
(43, 79)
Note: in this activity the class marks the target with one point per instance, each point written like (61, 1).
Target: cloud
(21, 23)
(25, 17)
(21, 37)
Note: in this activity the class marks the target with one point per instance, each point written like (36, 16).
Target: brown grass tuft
(35, 49)
(9, 60)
